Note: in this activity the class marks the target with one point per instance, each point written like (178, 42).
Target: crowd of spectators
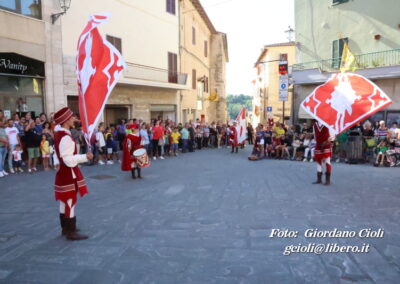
(26, 142)
(361, 144)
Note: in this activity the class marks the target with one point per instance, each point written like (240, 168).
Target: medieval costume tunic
(69, 179)
(323, 151)
(131, 143)
(233, 139)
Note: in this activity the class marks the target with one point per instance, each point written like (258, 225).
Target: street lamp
(290, 33)
(64, 7)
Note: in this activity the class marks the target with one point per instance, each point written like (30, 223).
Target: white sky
(249, 25)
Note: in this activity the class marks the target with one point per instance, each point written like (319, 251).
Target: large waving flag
(344, 100)
(241, 127)
(99, 65)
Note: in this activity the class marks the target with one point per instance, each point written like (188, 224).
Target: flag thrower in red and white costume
(241, 127)
(233, 137)
(323, 151)
(338, 104)
(134, 156)
(69, 179)
(99, 65)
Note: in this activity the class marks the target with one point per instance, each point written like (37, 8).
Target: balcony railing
(363, 61)
(143, 72)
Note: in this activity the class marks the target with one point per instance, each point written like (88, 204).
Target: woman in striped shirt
(381, 132)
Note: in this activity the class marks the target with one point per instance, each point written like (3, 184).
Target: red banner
(344, 100)
(99, 65)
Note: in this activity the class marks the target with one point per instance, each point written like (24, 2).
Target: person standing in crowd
(45, 151)
(381, 132)
(268, 140)
(199, 137)
(393, 134)
(13, 139)
(370, 142)
(191, 138)
(213, 134)
(185, 138)
(3, 147)
(17, 159)
(323, 152)
(157, 134)
(121, 129)
(175, 135)
(206, 135)
(100, 145)
(38, 126)
(109, 145)
(250, 133)
(69, 179)
(145, 137)
(32, 140)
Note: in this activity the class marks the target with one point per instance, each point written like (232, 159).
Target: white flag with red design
(345, 100)
(99, 65)
(241, 126)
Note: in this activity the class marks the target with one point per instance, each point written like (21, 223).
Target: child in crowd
(381, 153)
(101, 145)
(45, 150)
(175, 135)
(109, 145)
(167, 142)
(306, 145)
(17, 159)
(310, 149)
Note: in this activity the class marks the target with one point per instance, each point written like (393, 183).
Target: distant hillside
(236, 102)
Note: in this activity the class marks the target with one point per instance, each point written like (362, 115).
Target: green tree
(236, 102)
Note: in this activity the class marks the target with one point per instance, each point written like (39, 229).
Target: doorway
(114, 113)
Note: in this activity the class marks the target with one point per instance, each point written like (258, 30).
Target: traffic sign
(283, 88)
(269, 108)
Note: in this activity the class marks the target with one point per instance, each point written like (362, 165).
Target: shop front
(21, 85)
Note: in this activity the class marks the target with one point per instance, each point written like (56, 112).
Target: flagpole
(86, 121)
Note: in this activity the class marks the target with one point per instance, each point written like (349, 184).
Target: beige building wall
(210, 64)
(270, 80)
(148, 33)
(41, 40)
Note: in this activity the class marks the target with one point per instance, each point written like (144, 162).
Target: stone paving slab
(202, 217)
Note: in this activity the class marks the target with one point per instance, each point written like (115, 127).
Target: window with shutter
(115, 41)
(337, 51)
(337, 2)
(172, 67)
(170, 6)
(194, 79)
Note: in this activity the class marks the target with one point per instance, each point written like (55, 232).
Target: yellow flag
(35, 86)
(347, 59)
(213, 97)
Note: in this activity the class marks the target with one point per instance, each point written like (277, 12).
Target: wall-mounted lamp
(377, 37)
(64, 7)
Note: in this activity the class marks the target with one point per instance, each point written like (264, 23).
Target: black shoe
(70, 230)
(319, 178)
(327, 179)
(133, 173)
(138, 172)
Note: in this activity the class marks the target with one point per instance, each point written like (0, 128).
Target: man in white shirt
(13, 139)
(101, 145)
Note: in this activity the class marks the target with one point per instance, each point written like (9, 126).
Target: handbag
(161, 142)
(371, 142)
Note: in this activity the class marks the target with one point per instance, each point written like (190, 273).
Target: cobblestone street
(202, 217)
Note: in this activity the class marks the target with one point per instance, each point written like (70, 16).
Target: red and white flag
(241, 127)
(344, 100)
(99, 65)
